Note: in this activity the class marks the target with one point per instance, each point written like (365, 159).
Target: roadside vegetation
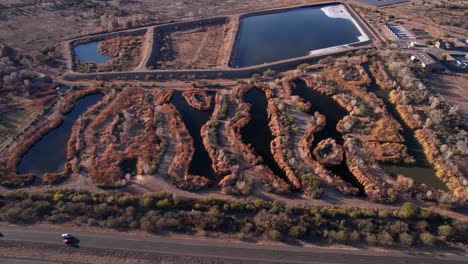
(242, 219)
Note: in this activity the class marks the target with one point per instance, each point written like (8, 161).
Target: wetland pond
(297, 32)
(421, 171)
(334, 113)
(49, 153)
(194, 120)
(89, 53)
(257, 132)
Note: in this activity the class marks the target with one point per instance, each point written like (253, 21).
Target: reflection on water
(334, 113)
(257, 132)
(292, 33)
(49, 154)
(194, 120)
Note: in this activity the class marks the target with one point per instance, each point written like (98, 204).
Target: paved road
(211, 248)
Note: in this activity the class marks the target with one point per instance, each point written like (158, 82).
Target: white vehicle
(66, 236)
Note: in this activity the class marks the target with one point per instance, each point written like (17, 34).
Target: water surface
(422, 171)
(326, 106)
(89, 53)
(49, 154)
(257, 132)
(293, 33)
(194, 120)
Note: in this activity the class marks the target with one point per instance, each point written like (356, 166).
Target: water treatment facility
(240, 50)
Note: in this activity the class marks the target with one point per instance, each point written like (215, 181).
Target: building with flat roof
(425, 59)
(399, 31)
(443, 45)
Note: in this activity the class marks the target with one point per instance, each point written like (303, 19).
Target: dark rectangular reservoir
(294, 33)
(380, 3)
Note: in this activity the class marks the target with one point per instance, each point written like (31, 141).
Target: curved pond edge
(50, 127)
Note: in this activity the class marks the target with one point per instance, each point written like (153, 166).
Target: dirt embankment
(378, 185)
(10, 177)
(377, 129)
(125, 138)
(328, 153)
(222, 158)
(184, 150)
(315, 125)
(446, 170)
(282, 141)
(233, 128)
(126, 51)
(199, 100)
(73, 144)
(192, 45)
(367, 127)
(436, 135)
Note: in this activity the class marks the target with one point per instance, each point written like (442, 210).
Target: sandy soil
(452, 88)
(430, 16)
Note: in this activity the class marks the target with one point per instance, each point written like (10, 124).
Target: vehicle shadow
(75, 243)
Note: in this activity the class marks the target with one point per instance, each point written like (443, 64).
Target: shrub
(297, 231)
(274, 235)
(303, 66)
(339, 236)
(269, 73)
(385, 238)
(406, 239)
(408, 210)
(93, 222)
(79, 198)
(427, 239)
(256, 76)
(247, 228)
(445, 231)
(58, 218)
(310, 180)
(58, 197)
(163, 204)
(125, 201)
(148, 201)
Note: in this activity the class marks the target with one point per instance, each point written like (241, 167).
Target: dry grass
(197, 48)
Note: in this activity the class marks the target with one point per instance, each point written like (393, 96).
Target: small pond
(326, 106)
(257, 132)
(293, 33)
(89, 53)
(49, 153)
(422, 171)
(194, 120)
